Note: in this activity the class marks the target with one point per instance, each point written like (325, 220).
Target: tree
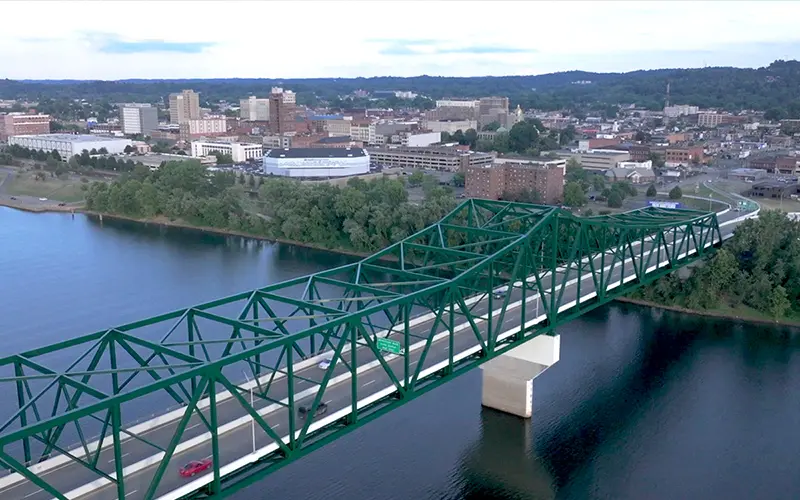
(222, 158)
(598, 182)
(415, 179)
(522, 196)
(102, 151)
(614, 199)
(491, 127)
(574, 195)
(774, 114)
(56, 155)
(523, 136)
(778, 302)
(93, 152)
(458, 179)
(651, 191)
(251, 182)
(658, 161)
(471, 137)
(675, 193)
(129, 149)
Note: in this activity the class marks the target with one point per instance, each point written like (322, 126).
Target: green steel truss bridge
(226, 380)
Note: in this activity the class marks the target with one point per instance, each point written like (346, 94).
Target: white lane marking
(370, 382)
(123, 456)
(131, 493)
(192, 427)
(34, 493)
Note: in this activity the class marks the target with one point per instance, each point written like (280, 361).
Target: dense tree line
(759, 267)
(362, 216)
(769, 88)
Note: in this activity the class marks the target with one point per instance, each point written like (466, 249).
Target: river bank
(166, 222)
(35, 206)
(730, 313)
(734, 314)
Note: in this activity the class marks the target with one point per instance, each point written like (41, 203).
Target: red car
(195, 467)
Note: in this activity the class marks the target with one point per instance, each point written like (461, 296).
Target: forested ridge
(773, 86)
(362, 216)
(759, 267)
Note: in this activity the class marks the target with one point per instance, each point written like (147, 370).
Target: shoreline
(222, 232)
(351, 253)
(36, 209)
(709, 313)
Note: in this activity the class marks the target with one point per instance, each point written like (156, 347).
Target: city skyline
(128, 40)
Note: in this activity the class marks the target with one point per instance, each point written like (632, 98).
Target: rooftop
(73, 137)
(334, 140)
(315, 152)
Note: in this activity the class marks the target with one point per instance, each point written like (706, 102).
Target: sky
(112, 40)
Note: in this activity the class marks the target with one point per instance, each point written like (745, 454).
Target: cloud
(486, 49)
(404, 41)
(112, 44)
(417, 46)
(399, 49)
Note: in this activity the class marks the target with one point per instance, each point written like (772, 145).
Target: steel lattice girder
(447, 271)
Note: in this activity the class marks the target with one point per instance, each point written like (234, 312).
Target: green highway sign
(390, 345)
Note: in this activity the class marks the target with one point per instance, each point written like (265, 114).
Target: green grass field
(67, 190)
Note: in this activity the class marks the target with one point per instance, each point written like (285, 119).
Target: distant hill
(775, 86)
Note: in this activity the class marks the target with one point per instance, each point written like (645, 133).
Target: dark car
(195, 467)
(303, 411)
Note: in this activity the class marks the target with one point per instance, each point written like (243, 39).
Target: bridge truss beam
(467, 282)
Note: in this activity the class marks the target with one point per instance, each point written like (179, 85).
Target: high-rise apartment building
(514, 175)
(281, 111)
(184, 106)
(137, 118)
(23, 124)
(254, 109)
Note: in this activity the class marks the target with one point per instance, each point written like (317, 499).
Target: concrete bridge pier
(508, 379)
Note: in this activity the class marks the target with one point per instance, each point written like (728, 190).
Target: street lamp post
(252, 405)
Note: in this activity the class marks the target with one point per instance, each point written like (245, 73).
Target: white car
(42, 199)
(324, 364)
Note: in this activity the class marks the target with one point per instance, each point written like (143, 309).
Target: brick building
(683, 156)
(491, 181)
(23, 124)
(639, 152)
(282, 111)
(776, 164)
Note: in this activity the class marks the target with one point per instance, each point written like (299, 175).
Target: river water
(643, 404)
